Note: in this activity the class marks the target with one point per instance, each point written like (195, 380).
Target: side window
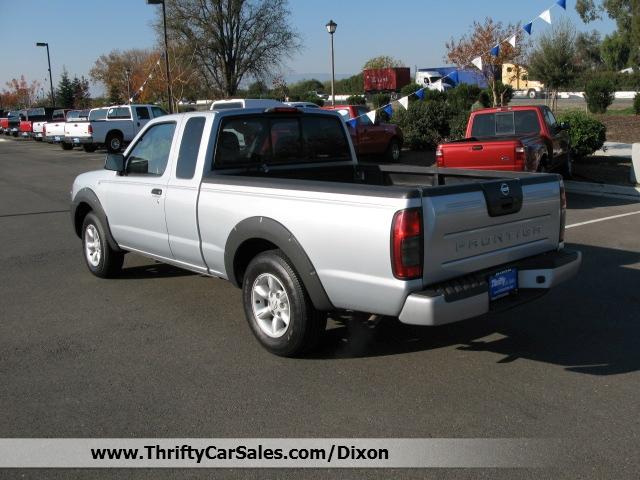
(150, 154)
(142, 113)
(119, 113)
(550, 119)
(189, 147)
(157, 112)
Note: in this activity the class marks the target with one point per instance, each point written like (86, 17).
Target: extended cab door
(136, 201)
(182, 192)
(142, 115)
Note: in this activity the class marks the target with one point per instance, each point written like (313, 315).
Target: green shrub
(356, 100)
(599, 93)
(424, 124)
(409, 89)
(380, 99)
(587, 134)
(504, 92)
(636, 104)
(462, 97)
(312, 98)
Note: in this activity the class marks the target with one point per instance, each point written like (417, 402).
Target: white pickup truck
(120, 125)
(275, 202)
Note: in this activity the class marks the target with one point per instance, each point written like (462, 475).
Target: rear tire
(89, 148)
(113, 142)
(66, 146)
(278, 308)
(101, 259)
(393, 151)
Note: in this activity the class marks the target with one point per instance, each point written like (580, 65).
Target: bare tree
(233, 39)
(481, 39)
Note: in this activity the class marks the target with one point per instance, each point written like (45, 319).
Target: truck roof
(508, 109)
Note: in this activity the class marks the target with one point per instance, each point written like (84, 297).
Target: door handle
(156, 191)
(476, 147)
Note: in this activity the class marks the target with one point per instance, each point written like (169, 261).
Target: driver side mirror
(564, 126)
(115, 162)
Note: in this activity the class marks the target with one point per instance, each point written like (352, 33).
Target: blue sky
(78, 31)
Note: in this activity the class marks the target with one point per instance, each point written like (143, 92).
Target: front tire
(393, 151)
(101, 259)
(278, 308)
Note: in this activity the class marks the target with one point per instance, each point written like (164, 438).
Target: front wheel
(393, 151)
(278, 308)
(102, 260)
(114, 142)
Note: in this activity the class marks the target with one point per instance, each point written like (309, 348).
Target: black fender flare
(88, 196)
(265, 228)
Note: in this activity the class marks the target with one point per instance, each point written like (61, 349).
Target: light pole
(127, 72)
(166, 49)
(44, 44)
(331, 28)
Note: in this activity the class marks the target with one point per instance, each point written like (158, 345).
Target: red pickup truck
(524, 138)
(376, 139)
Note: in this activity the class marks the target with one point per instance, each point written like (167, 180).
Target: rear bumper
(78, 140)
(469, 297)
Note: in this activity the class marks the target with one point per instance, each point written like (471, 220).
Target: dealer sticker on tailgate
(503, 283)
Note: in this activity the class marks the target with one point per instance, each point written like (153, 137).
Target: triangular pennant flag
(477, 62)
(352, 123)
(495, 51)
(546, 16)
(388, 109)
(454, 77)
(527, 27)
(404, 101)
(150, 77)
(562, 3)
(372, 116)
(512, 41)
(141, 88)
(420, 93)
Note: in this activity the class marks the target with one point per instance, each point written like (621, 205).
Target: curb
(603, 190)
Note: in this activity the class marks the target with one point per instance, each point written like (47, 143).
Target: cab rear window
(505, 123)
(248, 140)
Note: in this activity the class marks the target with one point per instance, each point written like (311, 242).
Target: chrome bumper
(457, 301)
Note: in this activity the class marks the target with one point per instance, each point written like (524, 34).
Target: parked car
(4, 121)
(121, 124)
(79, 132)
(526, 138)
(13, 122)
(38, 115)
(53, 130)
(276, 203)
(369, 138)
(234, 103)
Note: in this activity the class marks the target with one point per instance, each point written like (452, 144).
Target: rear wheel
(66, 146)
(114, 142)
(89, 148)
(393, 151)
(101, 259)
(278, 307)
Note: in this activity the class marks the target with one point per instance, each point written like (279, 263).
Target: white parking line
(602, 219)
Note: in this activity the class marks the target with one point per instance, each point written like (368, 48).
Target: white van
(245, 103)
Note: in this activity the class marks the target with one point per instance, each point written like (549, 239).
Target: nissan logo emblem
(504, 189)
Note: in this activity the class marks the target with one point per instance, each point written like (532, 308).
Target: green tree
(553, 60)
(304, 87)
(353, 85)
(615, 51)
(64, 93)
(383, 61)
(588, 50)
(257, 89)
(81, 96)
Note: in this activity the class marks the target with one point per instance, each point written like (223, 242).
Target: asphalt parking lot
(162, 352)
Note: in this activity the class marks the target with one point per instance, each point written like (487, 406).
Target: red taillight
(90, 129)
(406, 244)
(563, 210)
(439, 157)
(520, 158)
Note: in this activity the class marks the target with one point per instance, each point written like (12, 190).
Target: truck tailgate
(76, 129)
(479, 154)
(476, 226)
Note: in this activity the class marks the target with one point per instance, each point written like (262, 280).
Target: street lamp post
(331, 28)
(127, 72)
(166, 49)
(44, 44)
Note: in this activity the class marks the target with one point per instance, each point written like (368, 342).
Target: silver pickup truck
(275, 202)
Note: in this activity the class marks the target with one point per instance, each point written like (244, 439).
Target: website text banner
(277, 453)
